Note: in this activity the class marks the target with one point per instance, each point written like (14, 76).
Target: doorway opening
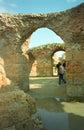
(40, 85)
(59, 56)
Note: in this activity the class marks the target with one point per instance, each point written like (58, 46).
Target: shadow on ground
(76, 122)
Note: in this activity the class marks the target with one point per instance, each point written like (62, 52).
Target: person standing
(61, 72)
(57, 67)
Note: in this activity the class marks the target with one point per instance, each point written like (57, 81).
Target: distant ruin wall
(40, 59)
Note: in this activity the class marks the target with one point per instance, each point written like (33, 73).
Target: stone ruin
(18, 112)
(17, 107)
(40, 59)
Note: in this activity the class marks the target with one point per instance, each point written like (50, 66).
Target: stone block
(10, 128)
(25, 125)
(77, 55)
(15, 107)
(74, 67)
(75, 90)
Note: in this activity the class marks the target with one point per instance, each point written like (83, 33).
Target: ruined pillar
(16, 29)
(75, 70)
(15, 64)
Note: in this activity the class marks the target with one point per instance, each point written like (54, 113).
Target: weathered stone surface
(15, 33)
(41, 57)
(10, 128)
(18, 112)
(15, 107)
(78, 91)
(4, 81)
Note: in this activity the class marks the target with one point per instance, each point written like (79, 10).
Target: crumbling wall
(18, 112)
(42, 59)
(16, 31)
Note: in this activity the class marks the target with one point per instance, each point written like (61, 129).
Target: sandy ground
(46, 90)
(47, 93)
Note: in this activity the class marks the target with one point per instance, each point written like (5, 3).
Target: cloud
(69, 1)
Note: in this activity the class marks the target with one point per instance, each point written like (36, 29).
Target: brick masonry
(15, 33)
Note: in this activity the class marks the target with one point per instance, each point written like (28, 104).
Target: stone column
(16, 69)
(75, 70)
(15, 64)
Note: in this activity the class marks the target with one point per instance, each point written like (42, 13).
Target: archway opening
(44, 36)
(59, 56)
(38, 84)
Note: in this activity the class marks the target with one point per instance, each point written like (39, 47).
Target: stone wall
(40, 59)
(18, 112)
(16, 31)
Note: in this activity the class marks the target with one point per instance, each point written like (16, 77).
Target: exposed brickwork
(15, 32)
(42, 59)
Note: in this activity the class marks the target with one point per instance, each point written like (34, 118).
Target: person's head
(59, 63)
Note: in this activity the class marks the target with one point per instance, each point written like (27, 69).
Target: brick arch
(59, 47)
(15, 33)
(45, 30)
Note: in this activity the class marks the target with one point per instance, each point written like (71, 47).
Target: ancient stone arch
(15, 33)
(42, 58)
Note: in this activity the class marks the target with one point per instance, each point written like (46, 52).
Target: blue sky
(36, 6)
(40, 36)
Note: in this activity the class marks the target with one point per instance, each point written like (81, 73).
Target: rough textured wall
(15, 60)
(18, 112)
(15, 32)
(75, 53)
(41, 57)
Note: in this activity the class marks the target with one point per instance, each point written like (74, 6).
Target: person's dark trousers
(61, 78)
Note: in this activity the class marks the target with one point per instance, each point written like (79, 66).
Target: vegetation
(47, 45)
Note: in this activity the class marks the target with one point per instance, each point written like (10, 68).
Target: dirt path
(47, 87)
(46, 90)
